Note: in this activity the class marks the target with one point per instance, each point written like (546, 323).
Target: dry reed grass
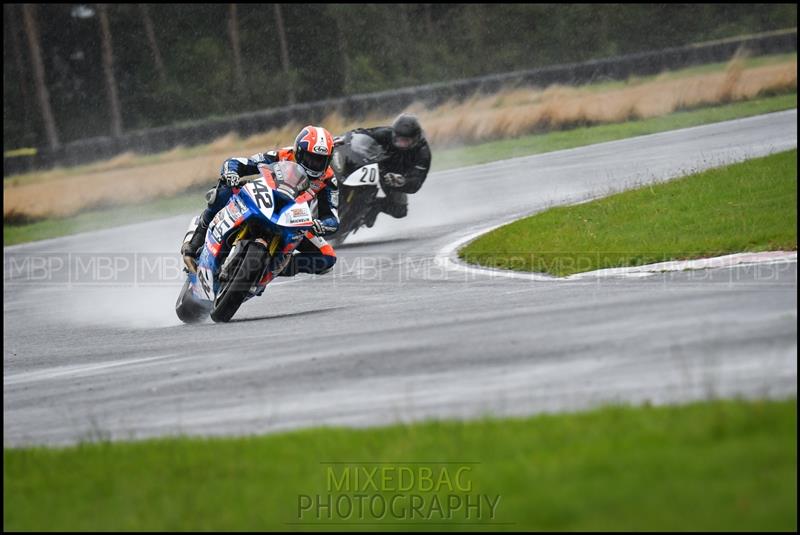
(507, 114)
(524, 111)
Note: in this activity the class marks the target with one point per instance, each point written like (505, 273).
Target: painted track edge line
(447, 258)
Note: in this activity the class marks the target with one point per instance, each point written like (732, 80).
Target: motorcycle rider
(405, 165)
(312, 150)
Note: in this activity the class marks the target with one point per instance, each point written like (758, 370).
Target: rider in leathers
(404, 167)
(312, 150)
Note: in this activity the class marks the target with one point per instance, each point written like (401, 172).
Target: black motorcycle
(355, 164)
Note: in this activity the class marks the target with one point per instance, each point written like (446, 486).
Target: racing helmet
(313, 148)
(406, 131)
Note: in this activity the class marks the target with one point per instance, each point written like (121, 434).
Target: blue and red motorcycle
(248, 243)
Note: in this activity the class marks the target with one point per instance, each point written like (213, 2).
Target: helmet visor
(403, 142)
(315, 163)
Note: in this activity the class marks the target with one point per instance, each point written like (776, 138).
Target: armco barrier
(389, 102)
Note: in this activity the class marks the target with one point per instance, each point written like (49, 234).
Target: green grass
(442, 159)
(722, 465)
(750, 206)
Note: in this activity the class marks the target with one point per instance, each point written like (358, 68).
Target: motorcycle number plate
(363, 176)
(261, 194)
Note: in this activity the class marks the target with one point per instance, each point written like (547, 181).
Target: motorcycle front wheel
(232, 292)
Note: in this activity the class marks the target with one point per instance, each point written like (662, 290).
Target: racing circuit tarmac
(92, 347)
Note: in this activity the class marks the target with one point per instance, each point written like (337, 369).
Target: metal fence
(155, 140)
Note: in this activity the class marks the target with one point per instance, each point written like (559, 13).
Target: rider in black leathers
(404, 167)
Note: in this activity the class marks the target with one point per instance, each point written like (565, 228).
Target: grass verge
(750, 206)
(444, 159)
(721, 465)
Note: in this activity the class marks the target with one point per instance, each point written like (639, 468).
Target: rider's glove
(231, 179)
(321, 228)
(394, 180)
(318, 228)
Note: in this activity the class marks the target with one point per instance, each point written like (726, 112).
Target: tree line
(73, 71)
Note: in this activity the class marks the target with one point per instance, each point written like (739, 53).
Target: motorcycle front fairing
(260, 203)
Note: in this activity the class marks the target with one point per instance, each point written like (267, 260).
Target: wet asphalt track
(92, 349)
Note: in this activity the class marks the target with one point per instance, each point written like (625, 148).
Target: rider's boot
(290, 270)
(191, 248)
(372, 214)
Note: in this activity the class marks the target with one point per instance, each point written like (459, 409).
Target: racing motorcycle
(355, 164)
(248, 242)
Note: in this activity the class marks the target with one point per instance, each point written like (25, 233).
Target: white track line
(77, 370)
(716, 262)
(447, 258)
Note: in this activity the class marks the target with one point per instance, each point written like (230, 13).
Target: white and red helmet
(313, 149)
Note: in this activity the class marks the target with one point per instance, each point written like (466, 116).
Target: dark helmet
(406, 131)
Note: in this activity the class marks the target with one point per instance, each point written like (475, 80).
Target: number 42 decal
(262, 195)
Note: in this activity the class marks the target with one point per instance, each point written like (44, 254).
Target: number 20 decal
(368, 175)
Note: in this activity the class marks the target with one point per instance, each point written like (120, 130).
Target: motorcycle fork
(274, 243)
(241, 235)
(273, 246)
(223, 271)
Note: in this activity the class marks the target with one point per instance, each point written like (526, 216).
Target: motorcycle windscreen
(366, 148)
(290, 178)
